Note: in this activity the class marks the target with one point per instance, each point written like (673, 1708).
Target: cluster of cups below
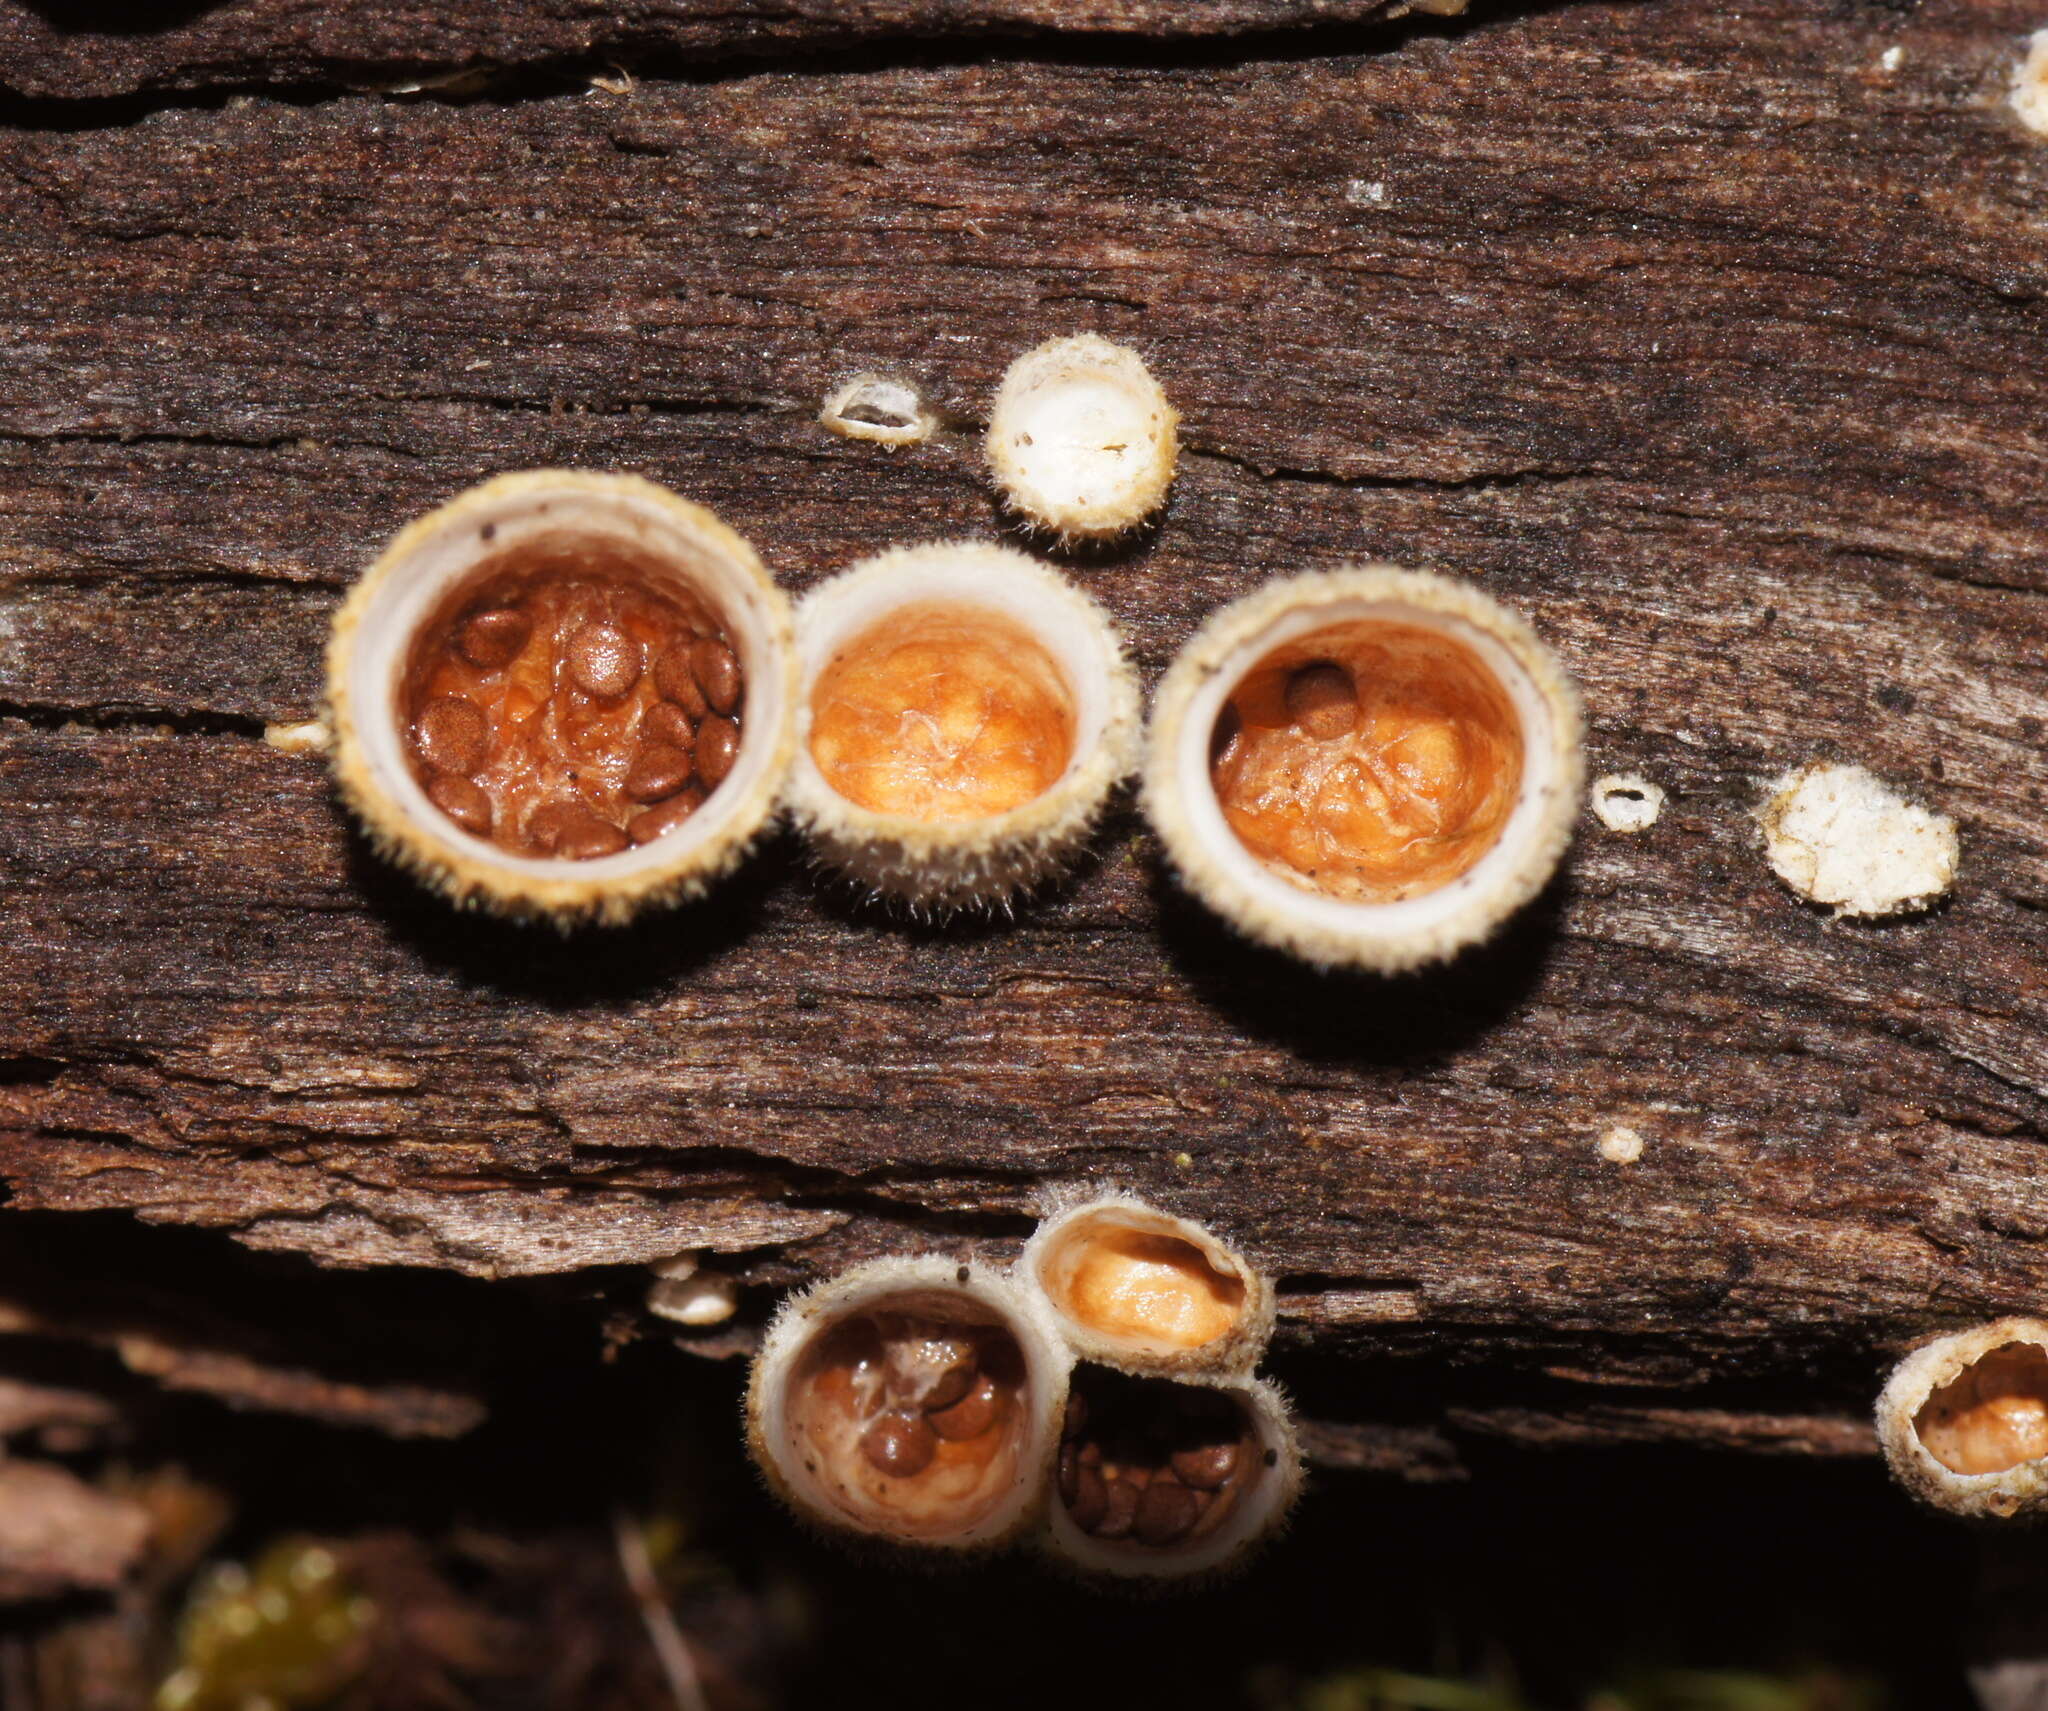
(1096, 1399)
(940, 853)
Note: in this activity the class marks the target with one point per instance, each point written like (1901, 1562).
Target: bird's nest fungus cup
(1146, 1292)
(1369, 767)
(1963, 1421)
(563, 695)
(1163, 1480)
(1082, 442)
(963, 714)
(911, 1402)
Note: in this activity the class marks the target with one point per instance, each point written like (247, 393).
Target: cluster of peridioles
(1097, 1399)
(572, 696)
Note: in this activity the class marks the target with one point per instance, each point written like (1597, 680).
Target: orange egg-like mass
(1369, 761)
(1993, 1416)
(1136, 1283)
(942, 711)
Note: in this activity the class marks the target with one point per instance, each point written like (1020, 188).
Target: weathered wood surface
(73, 49)
(1713, 340)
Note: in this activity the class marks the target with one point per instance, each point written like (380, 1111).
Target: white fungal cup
(851, 1398)
(1081, 439)
(663, 541)
(879, 408)
(1461, 878)
(938, 685)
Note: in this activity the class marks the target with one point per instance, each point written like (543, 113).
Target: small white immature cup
(1368, 767)
(1627, 802)
(879, 408)
(1963, 1421)
(614, 528)
(1140, 1290)
(963, 713)
(912, 1402)
(1169, 1479)
(1081, 440)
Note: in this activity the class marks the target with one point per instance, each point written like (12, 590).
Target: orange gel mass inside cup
(942, 711)
(1142, 1285)
(1369, 761)
(1992, 1416)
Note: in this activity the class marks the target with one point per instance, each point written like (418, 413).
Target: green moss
(286, 1633)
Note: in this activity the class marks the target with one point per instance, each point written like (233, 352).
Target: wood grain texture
(1714, 342)
(73, 49)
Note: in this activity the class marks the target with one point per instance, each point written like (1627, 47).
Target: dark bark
(73, 49)
(1710, 340)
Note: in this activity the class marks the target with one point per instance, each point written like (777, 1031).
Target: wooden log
(1712, 341)
(78, 51)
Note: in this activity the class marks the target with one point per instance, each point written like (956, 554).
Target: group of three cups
(574, 696)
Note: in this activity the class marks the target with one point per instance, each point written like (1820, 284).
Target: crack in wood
(919, 37)
(131, 720)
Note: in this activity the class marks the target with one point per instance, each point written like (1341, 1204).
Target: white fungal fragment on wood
(309, 737)
(877, 407)
(2030, 85)
(1837, 835)
(1620, 1145)
(701, 1298)
(1626, 802)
